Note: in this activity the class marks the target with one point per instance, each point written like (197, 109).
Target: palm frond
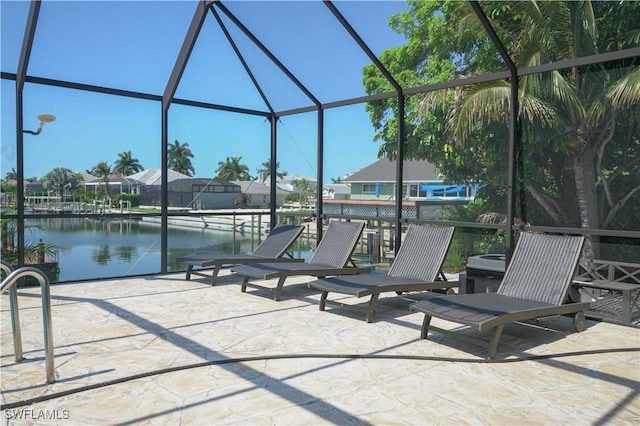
(556, 90)
(586, 23)
(432, 101)
(536, 110)
(561, 89)
(479, 104)
(632, 38)
(543, 20)
(623, 93)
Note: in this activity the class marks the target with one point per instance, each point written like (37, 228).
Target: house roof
(154, 176)
(201, 181)
(338, 188)
(384, 170)
(291, 178)
(113, 180)
(253, 187)
(87, 177)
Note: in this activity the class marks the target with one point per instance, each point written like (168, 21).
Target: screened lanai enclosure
(536, 104)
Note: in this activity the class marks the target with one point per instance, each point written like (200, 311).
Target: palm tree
(179, 158)
(11, 175)
(232, 169)
(336, 180)
(264, 171)
(573, 113)
(305, 189)
(127, 165)
(102, 170)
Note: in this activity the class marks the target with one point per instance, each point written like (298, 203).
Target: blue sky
(133, 46)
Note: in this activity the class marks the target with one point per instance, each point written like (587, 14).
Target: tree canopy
(59, 180)
(579, 164)
(264, 171)
(179, 157)
(305, 188)
(127, 165)
(11, 175)
(233, 169)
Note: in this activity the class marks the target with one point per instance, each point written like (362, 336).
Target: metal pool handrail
(15, 315)
(9, 283)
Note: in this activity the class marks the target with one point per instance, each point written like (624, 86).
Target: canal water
(89, 248)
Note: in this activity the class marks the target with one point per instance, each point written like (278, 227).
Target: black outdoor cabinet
(483, 274)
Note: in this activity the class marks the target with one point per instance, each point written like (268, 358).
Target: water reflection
(91, 248)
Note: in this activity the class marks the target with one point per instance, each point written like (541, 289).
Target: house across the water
(421, 181)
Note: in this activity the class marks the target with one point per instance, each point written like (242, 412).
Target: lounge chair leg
(578, 321)
(323, 300)
(189, 268)
(214, 274)
(278, 288)
(425, 326)
(372, 307)
(493, 345)
(243, 287)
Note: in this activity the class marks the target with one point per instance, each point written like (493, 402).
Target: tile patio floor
(162, 350)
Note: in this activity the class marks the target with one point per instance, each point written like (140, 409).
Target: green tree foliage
(179, 158)
(127, 165)
(305, 188)
(11, 175)
(8, 188)
(579, 127)
(80, 194)
(133, 199)
(60, 180)
(264, 171)
(232, 169)
(8, 235)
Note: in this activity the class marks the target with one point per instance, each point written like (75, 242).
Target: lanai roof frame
(168, 97)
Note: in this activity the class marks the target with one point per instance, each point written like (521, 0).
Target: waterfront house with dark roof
(259, 194)
(420, 181)
(183, 191)
(202, 193)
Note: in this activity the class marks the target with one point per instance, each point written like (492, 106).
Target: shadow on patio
(163, 350)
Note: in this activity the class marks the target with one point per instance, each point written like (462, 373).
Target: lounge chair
(416, 267)
(330, 258)
(535, 285)
(272, 249)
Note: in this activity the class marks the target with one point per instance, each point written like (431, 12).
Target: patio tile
(162, 350)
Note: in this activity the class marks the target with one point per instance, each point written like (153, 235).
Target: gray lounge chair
(272, 249)
(535, 285)
(330, 258)
(416, 267)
